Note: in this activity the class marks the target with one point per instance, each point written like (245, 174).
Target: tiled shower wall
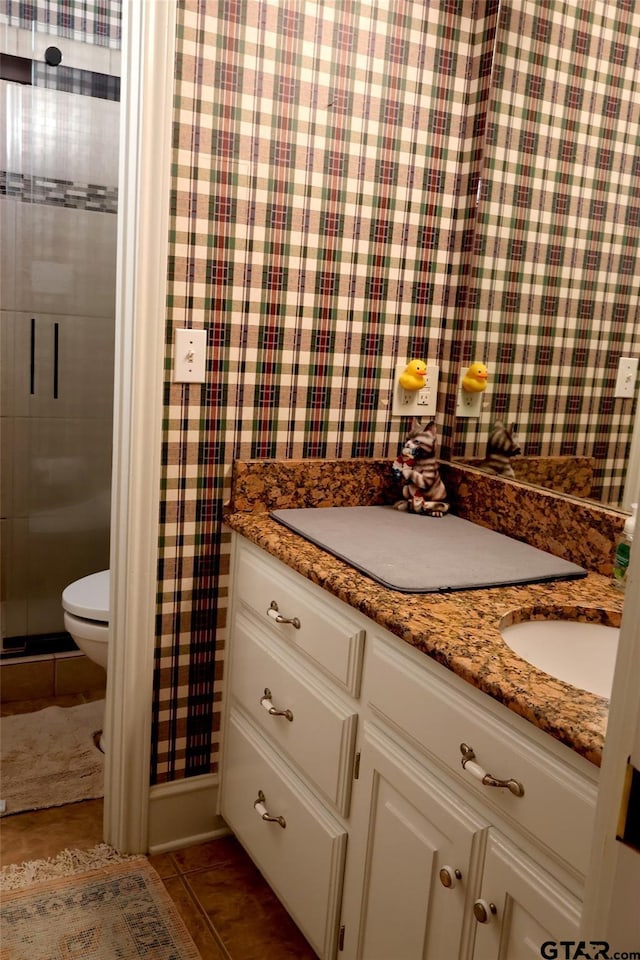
(326, 219)
(58, 200)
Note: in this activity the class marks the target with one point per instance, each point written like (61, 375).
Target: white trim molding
(183, 812)
(143, 227)
(610, 910)
(632, 480)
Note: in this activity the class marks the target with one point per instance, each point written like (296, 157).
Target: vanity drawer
(320, 736)
(303, 859)
(323, 631)
(438, 715)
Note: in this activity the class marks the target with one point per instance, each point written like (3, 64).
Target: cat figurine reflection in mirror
(500, 448)
(416, 467)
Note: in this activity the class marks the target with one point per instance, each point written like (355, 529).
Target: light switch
(626, 379)
(189, 356)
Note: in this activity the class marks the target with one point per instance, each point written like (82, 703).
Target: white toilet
(86, 615)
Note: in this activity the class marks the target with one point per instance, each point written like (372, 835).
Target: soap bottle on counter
(623, 550)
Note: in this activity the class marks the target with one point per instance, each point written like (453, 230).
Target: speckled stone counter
(573, 475)
(460, 630)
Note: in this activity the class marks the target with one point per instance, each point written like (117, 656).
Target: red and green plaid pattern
(553, 299)
(326, 219)
(88, 21)
(318, 231)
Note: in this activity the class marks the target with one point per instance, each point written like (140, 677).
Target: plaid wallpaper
(323, 163)
(88, 21)
(553, 299)
(326, 219)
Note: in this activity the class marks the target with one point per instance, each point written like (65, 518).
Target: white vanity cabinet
(414, 847)
(294, 668)
(390, 849)
(497, 869)
(426, 879)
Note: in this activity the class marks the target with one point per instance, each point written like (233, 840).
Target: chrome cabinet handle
(264, 813)
(275, 615)
(266, 702)
(468, 763)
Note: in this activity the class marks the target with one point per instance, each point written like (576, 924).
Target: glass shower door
(57, 278)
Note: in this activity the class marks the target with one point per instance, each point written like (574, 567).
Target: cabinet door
(407, 830)
(530, 906)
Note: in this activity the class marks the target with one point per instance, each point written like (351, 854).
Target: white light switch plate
(189, 356)
(416, 403)
(626, 379)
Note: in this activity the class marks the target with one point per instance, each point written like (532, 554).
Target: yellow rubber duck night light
(475, 379)
(412, 377)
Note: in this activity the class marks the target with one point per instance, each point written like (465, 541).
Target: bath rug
(49, 758)
(72, 860)
(121, 911)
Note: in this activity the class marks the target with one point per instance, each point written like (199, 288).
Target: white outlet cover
(416, 403)
(468, 404)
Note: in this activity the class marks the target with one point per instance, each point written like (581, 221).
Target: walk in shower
(59, 156)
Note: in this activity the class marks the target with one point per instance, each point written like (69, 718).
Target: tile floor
(229, 909)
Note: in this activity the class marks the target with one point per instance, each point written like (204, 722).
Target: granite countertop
(461, 630)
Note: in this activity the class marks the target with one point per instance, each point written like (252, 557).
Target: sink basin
(582, 654)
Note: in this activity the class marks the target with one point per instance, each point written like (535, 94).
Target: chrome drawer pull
(468, 763)
(264, 813)
(265, 702)
(273, 613)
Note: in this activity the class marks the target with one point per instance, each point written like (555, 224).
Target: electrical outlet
(469, 404)
(626, 379)
(416, 403)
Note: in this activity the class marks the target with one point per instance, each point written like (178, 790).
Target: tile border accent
(92, 197)
(85, 83)
(35, 73)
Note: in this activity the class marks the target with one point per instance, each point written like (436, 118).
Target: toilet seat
(89, 597)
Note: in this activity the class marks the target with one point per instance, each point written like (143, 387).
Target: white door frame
(632, 478)
(611, 896)
(143, 223)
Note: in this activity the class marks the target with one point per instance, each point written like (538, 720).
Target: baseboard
(183, 812)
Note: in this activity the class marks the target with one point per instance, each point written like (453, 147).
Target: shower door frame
(143, 228)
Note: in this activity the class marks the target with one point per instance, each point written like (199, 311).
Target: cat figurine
(416, 467)
(500, 448)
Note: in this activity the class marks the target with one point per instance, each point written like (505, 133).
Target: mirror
(552, 302)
